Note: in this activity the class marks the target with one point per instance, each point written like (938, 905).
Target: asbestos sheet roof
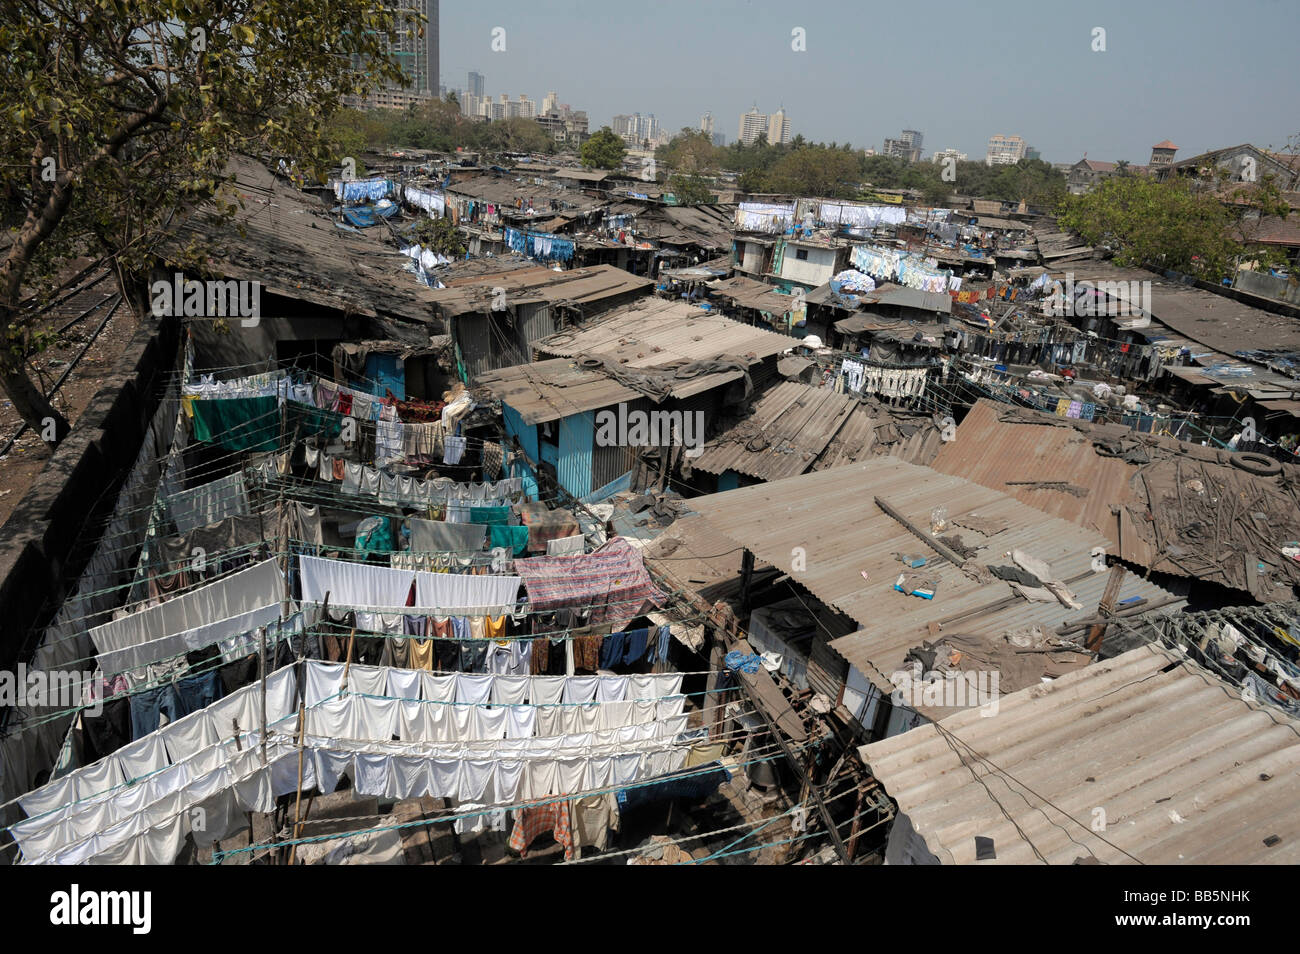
(532, 285)
(550, 390)
(505, 190)
(749, 293)
(286, 240)
(647, 336)
(1185, 770)
(1185, 510)
(1215, 321)
(828, 521)
(792, 426)
(655, 331)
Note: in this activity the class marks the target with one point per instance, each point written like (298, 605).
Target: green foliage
(690, 152)
(1169, 224)
(604, 150)
(439, 235)
(690, 189)
(117, 119)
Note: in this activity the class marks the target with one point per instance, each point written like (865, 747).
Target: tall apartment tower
(752, 125)
(778, 128)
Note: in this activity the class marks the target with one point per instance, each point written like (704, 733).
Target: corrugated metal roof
(792, 425)
(286, 240)
(655, 331)
(550, 390)
(1184, 770)
(530, 285)
(828, 521)
(783, 435)
(1216, 321)
(647, 335)
(1152, 511)
(749, 293)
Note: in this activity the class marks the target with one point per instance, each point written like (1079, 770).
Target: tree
(1160, 224)
(690, 189)
(118, 119)
(690, 151)
(816, 170)
(604, 150)
(439, 235)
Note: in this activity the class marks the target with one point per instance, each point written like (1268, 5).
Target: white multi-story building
(944, 154)
(706, 124)
(778, 128)
(1005, 151)
(752, 125)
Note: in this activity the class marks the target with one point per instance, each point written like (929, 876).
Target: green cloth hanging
(239, 423)
(307, 420)
(375, 534)
(489, 515)
(516, 538)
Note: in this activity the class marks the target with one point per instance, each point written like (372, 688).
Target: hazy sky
(1203, 74)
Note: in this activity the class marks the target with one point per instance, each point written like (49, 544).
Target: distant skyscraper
(906, 147)
(475, 84)
(706, 124)
(778, 128)
(752, 125)
(719, 139)
(415, 48)
(550, 103)
(1004, 151)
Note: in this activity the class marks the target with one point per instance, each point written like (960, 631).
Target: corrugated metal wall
(827, 669)
(574, 468)
(473, 342)
(533, 323)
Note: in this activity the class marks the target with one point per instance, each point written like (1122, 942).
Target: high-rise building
(1004, 151)
(719, 139)
(752, 125)
(706, 124)
(415, 48)
(778, 128)
(906, 147)
(550, 102)
(944, 154)
(475, 84)
(636, 129)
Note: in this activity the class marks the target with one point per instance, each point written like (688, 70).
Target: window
(801, 254)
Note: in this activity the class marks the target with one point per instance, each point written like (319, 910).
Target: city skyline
(1158, 78)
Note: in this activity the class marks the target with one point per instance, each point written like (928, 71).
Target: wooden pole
(955, 558)
(347, 663)
(1109, 596)
(261, 653)
(297, 805)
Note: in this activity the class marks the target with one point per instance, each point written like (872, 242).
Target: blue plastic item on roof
(737, 661)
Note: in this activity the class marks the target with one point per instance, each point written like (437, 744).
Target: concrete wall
(43, 548)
